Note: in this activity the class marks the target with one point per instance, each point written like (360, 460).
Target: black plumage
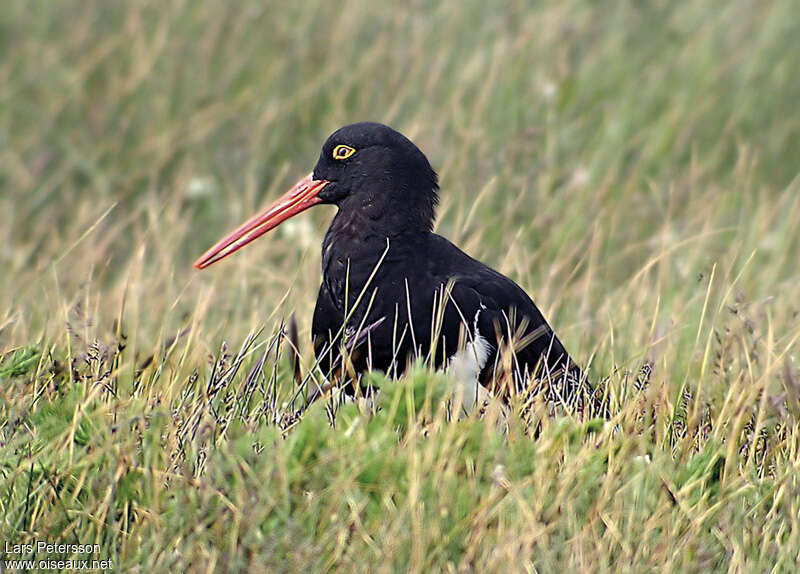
(395, 287)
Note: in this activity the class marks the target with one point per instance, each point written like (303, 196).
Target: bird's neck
(362, 241)
(368, 224)
(358, 235)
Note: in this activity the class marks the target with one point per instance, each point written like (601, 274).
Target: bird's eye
(343, 151)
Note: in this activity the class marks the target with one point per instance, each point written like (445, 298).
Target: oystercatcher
(392, 290)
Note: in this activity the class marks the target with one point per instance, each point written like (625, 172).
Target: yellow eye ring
(342, 151)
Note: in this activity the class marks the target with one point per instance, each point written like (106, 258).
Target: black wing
(504, 315)
(479, 301)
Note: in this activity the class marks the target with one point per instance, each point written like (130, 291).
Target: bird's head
(367, 167)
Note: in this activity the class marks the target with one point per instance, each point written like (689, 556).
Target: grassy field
(633, 165)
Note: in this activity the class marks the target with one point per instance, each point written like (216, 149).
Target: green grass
(632, 165)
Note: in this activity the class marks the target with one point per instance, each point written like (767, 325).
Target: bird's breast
(349, 267)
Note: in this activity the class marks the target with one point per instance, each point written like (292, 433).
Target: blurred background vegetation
(633, 165)
(575, 141)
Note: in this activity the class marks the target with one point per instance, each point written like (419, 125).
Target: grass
(633, 166)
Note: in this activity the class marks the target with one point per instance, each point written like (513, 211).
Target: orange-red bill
(300, 197)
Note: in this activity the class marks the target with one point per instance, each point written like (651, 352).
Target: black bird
(390, 286)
